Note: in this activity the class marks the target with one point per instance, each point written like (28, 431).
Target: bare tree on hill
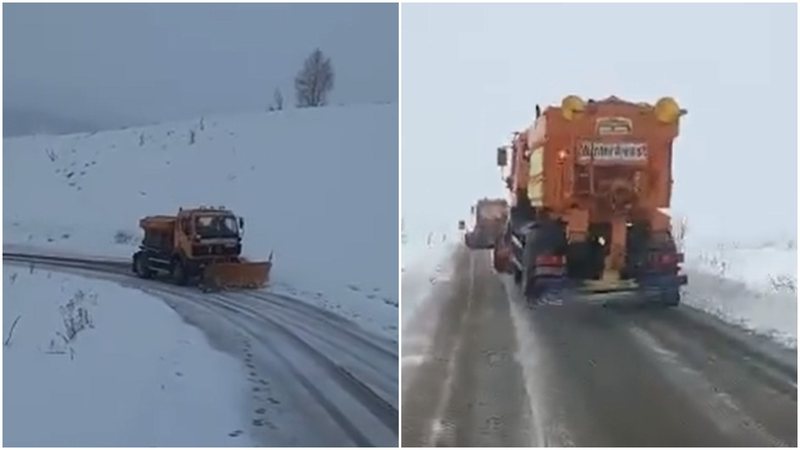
(314, 81)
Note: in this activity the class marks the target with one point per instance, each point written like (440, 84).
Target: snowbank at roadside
(425, 263)
(754, 286)
(90, 363)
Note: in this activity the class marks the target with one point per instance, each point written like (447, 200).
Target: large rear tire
(517, 274)
(528, 264)
(547, 238)
(671, 297)
(178, 271)
(140, 266)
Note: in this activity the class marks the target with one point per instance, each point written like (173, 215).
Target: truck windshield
(216, 226)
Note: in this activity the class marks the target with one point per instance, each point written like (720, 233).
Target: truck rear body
(601, 171)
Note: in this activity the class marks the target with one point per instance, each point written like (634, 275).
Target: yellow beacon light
(571, 106)
(667, 110)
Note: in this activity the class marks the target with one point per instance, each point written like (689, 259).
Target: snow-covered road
(311, 377)
(482, 368)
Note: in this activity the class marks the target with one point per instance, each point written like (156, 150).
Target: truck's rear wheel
(140, 266)
(670, 297)
(528, 264)
(545, 239)
(179, 275)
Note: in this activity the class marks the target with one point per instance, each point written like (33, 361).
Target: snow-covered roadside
(751, 286)
(133, 374)
(425, 263)
(371, 307)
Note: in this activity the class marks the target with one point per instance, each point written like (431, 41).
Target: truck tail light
(549, 260)
(669, 259)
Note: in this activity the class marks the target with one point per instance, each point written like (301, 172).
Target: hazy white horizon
(472, 75)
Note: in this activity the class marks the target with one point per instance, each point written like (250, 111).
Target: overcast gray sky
(150, 62)
(472, 75)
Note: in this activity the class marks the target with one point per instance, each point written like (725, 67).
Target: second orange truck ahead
(490, 216)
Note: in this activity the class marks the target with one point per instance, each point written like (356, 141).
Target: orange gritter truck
(589, 183)
(198, 244)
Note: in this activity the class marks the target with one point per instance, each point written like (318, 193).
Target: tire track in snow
(382, 410)
(380, 407)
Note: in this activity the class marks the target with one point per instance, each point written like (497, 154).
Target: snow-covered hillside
(90, 363)
(316, 186)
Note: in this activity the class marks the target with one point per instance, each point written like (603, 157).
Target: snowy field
(90, 363)
(754, 286)
(316, 186)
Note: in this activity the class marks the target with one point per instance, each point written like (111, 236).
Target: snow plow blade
(237, 275)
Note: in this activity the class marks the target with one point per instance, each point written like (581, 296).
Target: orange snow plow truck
(589, 183)
(490, 217)
(202, 245)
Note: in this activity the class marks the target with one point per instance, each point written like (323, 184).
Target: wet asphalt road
(482, 368)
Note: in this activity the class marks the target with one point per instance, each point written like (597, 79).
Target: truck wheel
(178, 270)
(140, 266)
(671, 297)
(528, 266)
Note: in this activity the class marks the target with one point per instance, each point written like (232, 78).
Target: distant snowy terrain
(316, 186)
(90, 363)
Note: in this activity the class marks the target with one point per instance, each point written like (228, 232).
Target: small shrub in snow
(13, 277)
(191, 137)
(75, 316)
(7, 341)
(123, 237)
(141, 139)
(782, 283)
(277, 101)
(51, 155)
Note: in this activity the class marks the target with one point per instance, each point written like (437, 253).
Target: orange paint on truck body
(611, 159)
